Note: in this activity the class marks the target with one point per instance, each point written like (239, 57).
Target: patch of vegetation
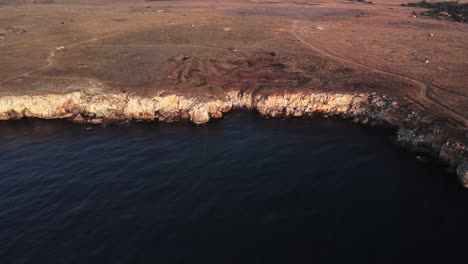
(10, 2)
(362, 1)
(452, 10)
(213, 89)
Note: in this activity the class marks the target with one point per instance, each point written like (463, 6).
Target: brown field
(205, 46)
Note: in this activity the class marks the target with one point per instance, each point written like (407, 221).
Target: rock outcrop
(462, 172)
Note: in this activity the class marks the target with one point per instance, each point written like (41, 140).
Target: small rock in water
(79, 119)
(96, 121)
(125, 123)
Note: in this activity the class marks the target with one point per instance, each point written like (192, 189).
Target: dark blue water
(240, 190)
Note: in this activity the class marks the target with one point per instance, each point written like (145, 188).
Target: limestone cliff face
(112, 106)
(118, 106)
(93, 106)
(300, 104)
(41, 106)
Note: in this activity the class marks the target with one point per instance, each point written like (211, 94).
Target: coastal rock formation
(96, 106)
(462, 172)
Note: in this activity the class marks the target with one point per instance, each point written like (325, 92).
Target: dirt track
(458, 119)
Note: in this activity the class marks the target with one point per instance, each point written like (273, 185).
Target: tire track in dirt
(426, 100)
(52, 52)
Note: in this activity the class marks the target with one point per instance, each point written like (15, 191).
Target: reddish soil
(209, 46)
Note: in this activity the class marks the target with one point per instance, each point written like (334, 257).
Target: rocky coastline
(415, 130)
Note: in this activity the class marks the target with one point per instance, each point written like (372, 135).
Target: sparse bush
(456, 11)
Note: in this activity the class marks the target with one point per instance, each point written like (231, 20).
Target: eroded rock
(462, 173)
(96, 121)
(79, 119)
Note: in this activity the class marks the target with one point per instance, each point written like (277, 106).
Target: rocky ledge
(415, 130)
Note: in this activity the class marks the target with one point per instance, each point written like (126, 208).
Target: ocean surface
(243, 189)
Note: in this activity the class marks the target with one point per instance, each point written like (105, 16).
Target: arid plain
(93, 61)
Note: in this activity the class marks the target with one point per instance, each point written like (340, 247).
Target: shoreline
(414, 130)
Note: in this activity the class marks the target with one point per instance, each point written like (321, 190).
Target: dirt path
(428, 102)
(53, 51)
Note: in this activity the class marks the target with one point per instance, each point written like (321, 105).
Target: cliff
(95, 106)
